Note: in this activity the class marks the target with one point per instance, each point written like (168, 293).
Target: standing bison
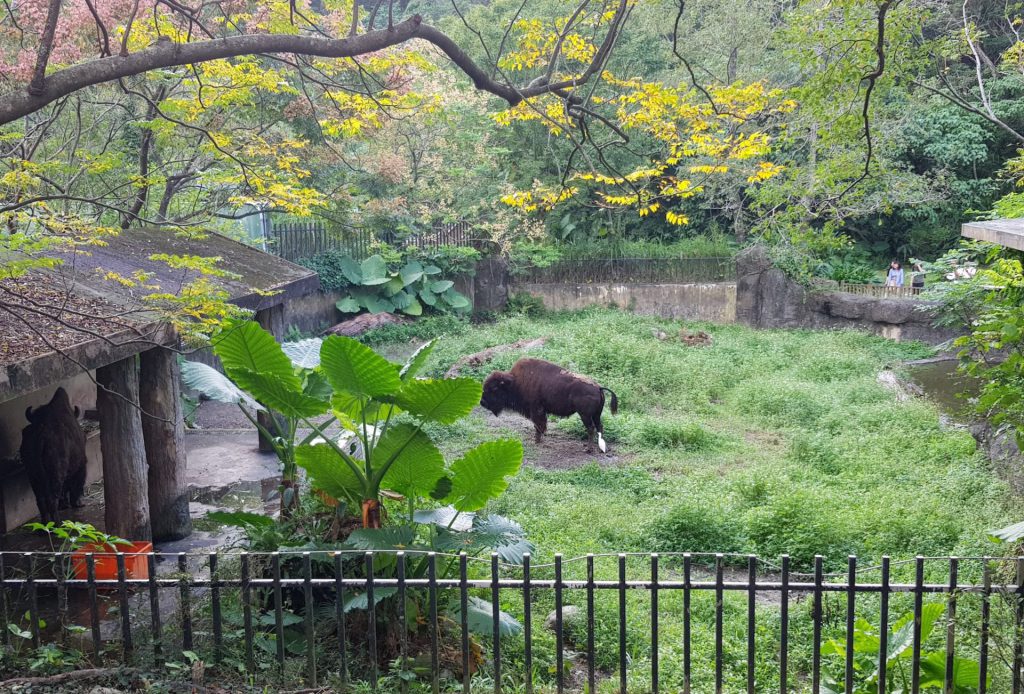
(53, 454)
(536, 388)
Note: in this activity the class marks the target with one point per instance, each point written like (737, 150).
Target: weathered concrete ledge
(767, 298)
(710, 301)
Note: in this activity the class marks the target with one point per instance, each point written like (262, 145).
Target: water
(951, 390)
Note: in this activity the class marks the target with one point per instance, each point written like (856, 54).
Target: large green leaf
(966, 673)
(215, 385)
(401, 300)
(440, 286)
(412, 271)
(247, 346)
(374, 270)
(282, 395)
(328, 472)
(428, 297)
(431, 270)
(486, 534)
(480, 618)
(456, 300)
(417, 466)
(480, 475)
(358, 409)
(902, 635)
(440, 400)
(417, 361)
(350, 269)
(314, 384)
(304, 354)
(352, 367)
(378, 304)
(414, 308)
(445, 517)
(359, 601)
(374, 539)
(349, 305)
(1011, 533)
(393, 287)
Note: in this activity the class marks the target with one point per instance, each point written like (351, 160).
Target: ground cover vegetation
(766, 442)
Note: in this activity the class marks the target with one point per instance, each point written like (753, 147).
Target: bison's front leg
(540, 424)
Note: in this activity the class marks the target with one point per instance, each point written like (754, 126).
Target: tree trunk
(163, 429)
(125, 485)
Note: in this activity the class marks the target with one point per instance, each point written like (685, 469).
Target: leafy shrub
(635, 481)
(379, 289)
(801, 524)
(782, 403)
(328, 266)
(697, 525)
(816, 449)
(426, 328)
(845, 270)
(662, 433)
(526, 304)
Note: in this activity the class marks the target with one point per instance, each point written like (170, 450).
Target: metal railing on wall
(296, 240)
(631, 271)
(727, 622)
(880, 291)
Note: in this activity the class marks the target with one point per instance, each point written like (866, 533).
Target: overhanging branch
(164, 54)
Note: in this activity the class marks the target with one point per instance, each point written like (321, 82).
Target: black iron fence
(631, 271)
(673, 623)
(295, 240)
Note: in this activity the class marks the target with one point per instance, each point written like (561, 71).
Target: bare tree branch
(37, 85)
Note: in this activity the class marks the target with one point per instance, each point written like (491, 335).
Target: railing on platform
(381, 618)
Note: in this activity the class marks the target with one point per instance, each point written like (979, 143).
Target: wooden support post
(163, 430)
(125, 478)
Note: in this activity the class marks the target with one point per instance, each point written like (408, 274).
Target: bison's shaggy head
(498, 392)
(58, 406)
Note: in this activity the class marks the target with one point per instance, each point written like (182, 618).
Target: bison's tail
(615, 400)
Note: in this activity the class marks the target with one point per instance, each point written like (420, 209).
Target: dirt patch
(557, 450)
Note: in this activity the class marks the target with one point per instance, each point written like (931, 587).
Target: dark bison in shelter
(53, 454)
(536, 388)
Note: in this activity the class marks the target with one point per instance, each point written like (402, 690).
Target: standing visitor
(917, 282)
(895, 276)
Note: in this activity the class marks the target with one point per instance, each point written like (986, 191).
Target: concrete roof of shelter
(1004, 232)
(56, 323)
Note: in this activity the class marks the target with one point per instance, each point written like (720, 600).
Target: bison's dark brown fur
(536, 388)
(53, 453)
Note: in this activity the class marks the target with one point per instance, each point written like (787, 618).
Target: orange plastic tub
(136, 564)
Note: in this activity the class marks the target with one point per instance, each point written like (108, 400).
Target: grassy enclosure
(766, 442)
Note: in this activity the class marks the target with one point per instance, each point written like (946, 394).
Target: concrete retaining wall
(714, 302)
(767, 298)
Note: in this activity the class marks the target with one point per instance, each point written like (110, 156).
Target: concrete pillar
(163, 430)
(125, 477)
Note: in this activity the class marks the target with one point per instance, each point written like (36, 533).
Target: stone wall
(712, 301)
(767, 298)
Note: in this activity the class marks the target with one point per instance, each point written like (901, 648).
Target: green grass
(765, 442)
(786, 433)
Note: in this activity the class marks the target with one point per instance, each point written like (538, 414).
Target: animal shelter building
(76, 327)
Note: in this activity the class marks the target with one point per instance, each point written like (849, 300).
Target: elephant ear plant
(384, 407)
(378, 289)
(381, 408)
(260, 376)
